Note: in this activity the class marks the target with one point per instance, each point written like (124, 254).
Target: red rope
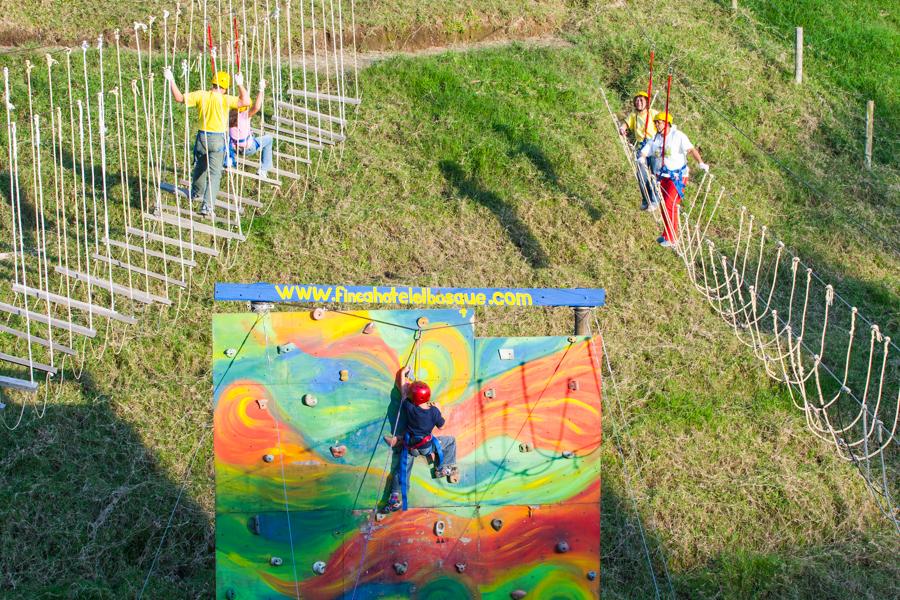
(237, 45)
(666, 123)
(649, 90)
(209, 42)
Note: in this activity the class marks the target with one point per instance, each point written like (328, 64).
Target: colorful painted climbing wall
(301, 402)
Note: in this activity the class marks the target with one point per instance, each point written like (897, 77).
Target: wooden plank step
(14, 383)
(116, 288)
(52, 321)
(23, 362)
(323, 142)
(322, 133)
(229, 196)
(197, 226)
(154, 253)
(302, 142)
(186, 192)
(155, 237)
(247, 162)
(38, 340)
(328, 97)
(285, 156)
(314, 114)
(139, 270)
(186, 212)
(77, 304)
(250, 175)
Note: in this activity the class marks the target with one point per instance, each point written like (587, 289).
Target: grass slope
(501, 168)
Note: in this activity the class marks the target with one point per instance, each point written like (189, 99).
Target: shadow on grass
(519, 233)
(84, 506)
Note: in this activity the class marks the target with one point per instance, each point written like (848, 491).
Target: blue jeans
(209, 161)
(264, 143)
(448, 446)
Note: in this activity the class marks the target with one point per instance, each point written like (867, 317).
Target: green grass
(501, 167)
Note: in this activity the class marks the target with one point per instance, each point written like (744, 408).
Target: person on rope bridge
(671, 171)
(241, 135)
(418, 418)
(209, 146)
(642, 129)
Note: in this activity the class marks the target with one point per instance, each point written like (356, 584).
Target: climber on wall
(413, 437)
(641, 129)
(671, 170)
(209, 146)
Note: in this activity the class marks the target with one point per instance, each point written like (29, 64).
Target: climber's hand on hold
(239, 79)
(167, 74)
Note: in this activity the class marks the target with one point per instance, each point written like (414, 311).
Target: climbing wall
(291, 390)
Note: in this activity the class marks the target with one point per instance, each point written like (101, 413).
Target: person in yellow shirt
(642, 129)
(209, 146)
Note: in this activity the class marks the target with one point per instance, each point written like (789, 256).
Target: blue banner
(409, 295)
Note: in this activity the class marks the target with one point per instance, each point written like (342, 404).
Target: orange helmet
(419, 393)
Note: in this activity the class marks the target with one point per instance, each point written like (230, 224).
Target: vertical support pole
(870, 131)
(734, 5)
(798, 57)
(582, 320)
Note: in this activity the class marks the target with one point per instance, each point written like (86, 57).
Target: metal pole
(798, 54)
(870, 131)
(582, 320)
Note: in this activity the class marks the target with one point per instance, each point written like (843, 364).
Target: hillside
(501, 167)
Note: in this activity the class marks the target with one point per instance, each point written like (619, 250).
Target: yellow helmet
(663, 116)
(222, 79)
(643, 94)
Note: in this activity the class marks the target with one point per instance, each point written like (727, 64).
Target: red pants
(671, 202)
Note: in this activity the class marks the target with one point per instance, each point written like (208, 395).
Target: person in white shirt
(671, 171)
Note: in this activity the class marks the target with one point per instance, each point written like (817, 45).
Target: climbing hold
(562, 547)
(318, 313)
(261, 308)
(229, 594)
(518, 594)
(285, 348)
(497, 524)
(231, 352)
(568, 454)
(525, 447)
(439, 528)
(401, 568)
(574, 385)
(276, 561)
(572, 339)
(253, 524)
(310, 400)
(380, 516)
(338, 451)
(319, 567)
(344, 375)
(369, 328)
(422, 322)
(262, 403)
(269, 458)
(592, 575)
(460, 567)
(489, 393)
(453, 477)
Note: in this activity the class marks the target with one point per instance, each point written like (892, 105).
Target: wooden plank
(14, 383)
(24, 362)
(116, 288)
(328, 97)
(31, 338)
(302, 142)
(314, 114)
(197, 226)
(250, 175)
(321, 141)
(229, 196)
(77, 304)
(52, 321)
(154, 253)
(284, 156)
(247, 162)
(168, 187)
(172, 241)
(139, 270)
(322, 133)
(186, 212)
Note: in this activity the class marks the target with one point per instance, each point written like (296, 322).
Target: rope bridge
(839, 367)
(96, 164)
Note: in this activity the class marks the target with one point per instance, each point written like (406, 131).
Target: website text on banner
(410, 295)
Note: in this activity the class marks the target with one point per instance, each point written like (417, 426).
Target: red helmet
(419, 393)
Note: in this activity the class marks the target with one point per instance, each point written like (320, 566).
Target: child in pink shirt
(242, 139)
